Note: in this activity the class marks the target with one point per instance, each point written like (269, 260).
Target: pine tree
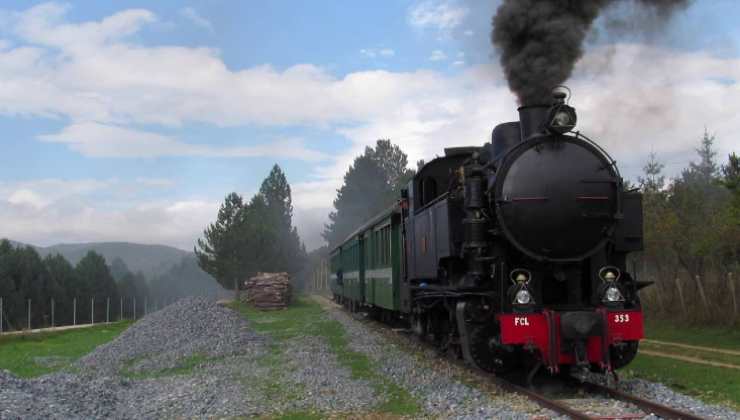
(706, 170)
(371, 184)
(288, 252)
(654, 180)
(221, 251)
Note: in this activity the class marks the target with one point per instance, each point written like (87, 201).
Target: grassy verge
(708, 383)
(711, 384)
(36, 354)
(306, 318)
(185, 366)
(719, 337)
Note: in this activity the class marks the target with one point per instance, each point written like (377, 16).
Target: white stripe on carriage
(379, 273)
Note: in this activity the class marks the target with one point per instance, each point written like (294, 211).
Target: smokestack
(541, 40)
(532, 119)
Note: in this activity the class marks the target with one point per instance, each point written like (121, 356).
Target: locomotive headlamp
(523, 297)
(609, 274)
(561, 119)
(520, 276)
(612, 294)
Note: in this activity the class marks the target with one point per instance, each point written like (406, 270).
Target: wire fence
(25, 314)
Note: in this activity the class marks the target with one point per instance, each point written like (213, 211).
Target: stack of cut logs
(268, 291)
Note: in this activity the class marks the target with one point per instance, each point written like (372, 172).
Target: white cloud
(155, 182)
(438, 55)
(369, 52)
(468, 32)
(101, 140)
(43, 24)
(192, 15)
(382, 52)
(50, 211)
(386, 52)
(25, 197)
(443, 16)
(458, 63)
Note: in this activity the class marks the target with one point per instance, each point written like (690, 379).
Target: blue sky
(131, 120)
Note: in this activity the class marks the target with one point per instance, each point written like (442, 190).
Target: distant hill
(152, 260)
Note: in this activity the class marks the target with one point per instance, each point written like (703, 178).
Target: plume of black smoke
(540, 41)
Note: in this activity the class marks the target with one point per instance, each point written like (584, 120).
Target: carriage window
(428, 190)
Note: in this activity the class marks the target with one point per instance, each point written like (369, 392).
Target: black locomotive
(511, 253)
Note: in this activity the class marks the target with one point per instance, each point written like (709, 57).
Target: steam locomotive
(511, 255)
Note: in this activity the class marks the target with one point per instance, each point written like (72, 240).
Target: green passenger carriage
(366, 267)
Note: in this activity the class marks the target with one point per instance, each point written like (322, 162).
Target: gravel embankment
(189, 327)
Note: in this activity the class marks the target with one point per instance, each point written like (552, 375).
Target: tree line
(692, 237)
(252, 236)
(25, 275)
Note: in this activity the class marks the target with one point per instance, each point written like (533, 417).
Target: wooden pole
(134, 307)
(700, 285)
(107, 310)
(731, 283)
(658, 298)
(74, 311)
(52, 313)
(29, 314)
(680, 296)
(1, 314)
(92, 310)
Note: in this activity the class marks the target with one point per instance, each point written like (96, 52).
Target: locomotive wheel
(486, 354)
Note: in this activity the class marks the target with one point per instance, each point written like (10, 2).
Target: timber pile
(268, 290)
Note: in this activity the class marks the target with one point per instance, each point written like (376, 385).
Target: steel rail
(646, 405)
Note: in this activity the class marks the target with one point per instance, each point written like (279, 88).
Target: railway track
(560, 406)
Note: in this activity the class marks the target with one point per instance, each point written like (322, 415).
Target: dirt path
(692, 347)
(50, 329)
(688, 359)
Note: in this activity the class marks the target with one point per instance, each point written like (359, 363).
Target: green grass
(306, 317)
(19, 353)
(719, 337)
(185, 366)
(711, 384)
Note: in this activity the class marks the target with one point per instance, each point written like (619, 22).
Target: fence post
(658, 297)
(680, 295)
(146, 308)
(700, 285)
(107, 310)
(1, 315)
(92, 310)
(120, 314)
(134, 308)
(52, 313)
(74, 311)
(730, 282)
(29, 314)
